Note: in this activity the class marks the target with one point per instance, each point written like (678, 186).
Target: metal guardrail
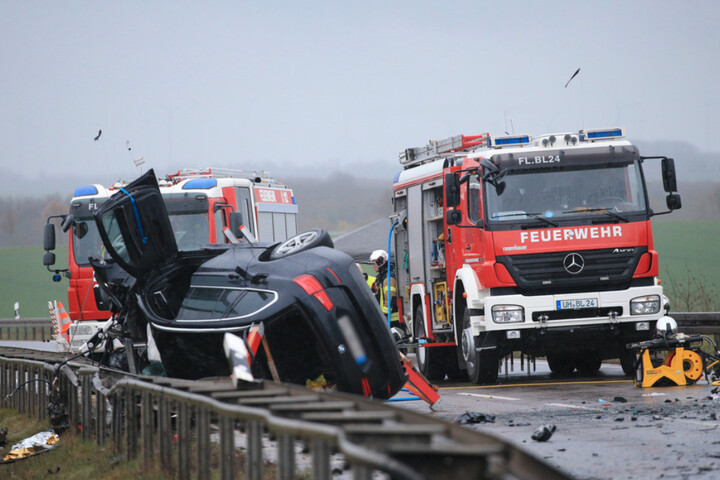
(705, 323)
(39, 329)
(169, 420)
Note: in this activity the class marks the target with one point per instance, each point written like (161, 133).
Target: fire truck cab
(539, 245)
(200, 204)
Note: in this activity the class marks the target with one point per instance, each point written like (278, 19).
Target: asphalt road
(605, 427)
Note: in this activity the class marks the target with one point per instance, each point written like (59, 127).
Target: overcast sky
(312, 84)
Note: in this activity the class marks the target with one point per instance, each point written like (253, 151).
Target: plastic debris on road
(474, 417)
(543, 433)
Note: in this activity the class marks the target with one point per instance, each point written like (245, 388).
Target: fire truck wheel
(560, 363)
(482, 366)
(428, 359)
(627, 361)
(588, 363)
(316, 237)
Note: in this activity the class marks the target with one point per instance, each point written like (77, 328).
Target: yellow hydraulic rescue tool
(676, 359)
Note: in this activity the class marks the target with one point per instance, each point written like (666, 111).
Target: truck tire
(627, 362)
(588, 363)
(429, 360)
(482, 366)
(560, 363)
(316, 237)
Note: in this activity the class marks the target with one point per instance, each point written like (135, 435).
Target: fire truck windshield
(554, 195)
(189, 219)
(86, 241)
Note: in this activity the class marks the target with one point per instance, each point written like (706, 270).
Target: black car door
(135, 227)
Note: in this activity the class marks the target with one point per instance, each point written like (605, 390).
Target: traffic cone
(64, 322)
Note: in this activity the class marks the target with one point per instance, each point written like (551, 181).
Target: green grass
(688, 261)
(25, 279)
(72, 459)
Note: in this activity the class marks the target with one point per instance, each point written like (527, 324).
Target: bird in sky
(573, 76)
(98, 135)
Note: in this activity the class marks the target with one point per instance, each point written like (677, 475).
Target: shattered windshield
(188, 215)
(556, 194)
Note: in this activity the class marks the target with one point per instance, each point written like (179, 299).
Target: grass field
(688, 263)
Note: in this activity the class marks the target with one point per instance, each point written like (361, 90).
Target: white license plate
(576, 304)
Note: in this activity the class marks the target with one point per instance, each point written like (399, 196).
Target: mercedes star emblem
(574, 263)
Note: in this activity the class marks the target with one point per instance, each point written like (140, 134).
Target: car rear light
(312, 286)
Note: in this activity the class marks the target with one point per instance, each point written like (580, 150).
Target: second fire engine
(540, 245)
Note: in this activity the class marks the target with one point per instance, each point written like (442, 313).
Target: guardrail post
(202, 422)
(101, 419)
(117, 420)
(227, 447)
(22, 392)
(131, 423)
(165, 433)
(183, 429)
(361, 472)
(146, 418)
(320, 459)
(253, 433)
(72, 403)
(86, 405)
(44, 386)
(286, 457)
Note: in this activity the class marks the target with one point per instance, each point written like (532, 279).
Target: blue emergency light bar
(86, 190)
(200, 183)
(601, 134)
(510, 141)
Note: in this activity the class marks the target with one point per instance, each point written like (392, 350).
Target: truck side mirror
(673, 201)
(452, 190)
(668, 175)
(49, 239)
(453, 217)
(67, 222)
(48, 259)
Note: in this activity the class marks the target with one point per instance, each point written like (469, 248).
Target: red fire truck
(200, 204)
(538, 245)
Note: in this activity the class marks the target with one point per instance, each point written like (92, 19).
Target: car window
(212, 303)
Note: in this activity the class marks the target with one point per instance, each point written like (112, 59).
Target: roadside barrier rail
(39, 329)
(193, 428)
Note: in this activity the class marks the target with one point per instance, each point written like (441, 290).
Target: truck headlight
(645, 305)
(508, 314)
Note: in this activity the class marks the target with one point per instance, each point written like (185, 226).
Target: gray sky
(311, 84)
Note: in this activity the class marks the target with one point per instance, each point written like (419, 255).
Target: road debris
(543, 433)
(474, 417)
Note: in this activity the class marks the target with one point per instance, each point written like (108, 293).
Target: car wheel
(560, 363)
(303, 241)
(482, 366)
(428, 358)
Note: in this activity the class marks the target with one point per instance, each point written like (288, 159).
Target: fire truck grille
(573, 271)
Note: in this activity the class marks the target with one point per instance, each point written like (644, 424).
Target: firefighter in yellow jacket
(379, 260)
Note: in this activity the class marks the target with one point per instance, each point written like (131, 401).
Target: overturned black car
(319, 317)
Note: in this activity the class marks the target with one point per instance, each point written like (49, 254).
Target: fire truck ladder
(436, 149)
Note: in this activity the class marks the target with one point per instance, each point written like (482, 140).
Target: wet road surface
(606, 428)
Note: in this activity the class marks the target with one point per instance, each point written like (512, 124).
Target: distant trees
(22, 218)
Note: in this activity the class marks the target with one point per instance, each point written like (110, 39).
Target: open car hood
(135, 227)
